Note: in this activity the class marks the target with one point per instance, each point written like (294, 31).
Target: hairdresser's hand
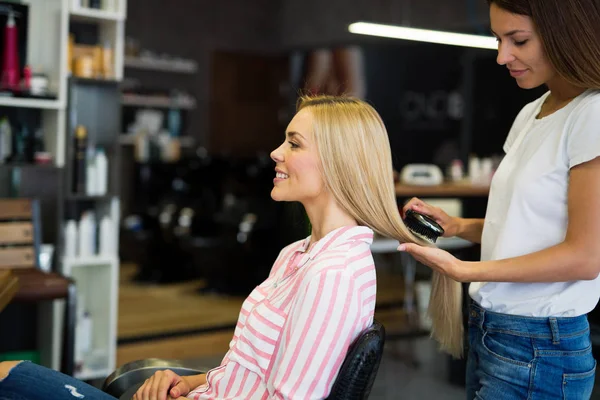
(450, 224)
(437, 259)
(163, 385)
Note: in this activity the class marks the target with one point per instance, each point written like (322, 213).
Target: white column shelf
(96, 277)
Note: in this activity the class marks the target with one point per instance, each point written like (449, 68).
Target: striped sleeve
(321, 324)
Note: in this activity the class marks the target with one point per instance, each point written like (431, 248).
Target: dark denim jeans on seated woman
(29, 381)
(514, 357)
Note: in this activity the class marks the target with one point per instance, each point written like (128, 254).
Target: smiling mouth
(281, 175)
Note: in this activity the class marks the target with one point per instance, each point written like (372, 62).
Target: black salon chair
(354, 381)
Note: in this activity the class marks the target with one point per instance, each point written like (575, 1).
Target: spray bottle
(10, 66)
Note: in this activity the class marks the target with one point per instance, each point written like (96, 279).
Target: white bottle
(5, 140)
(87, 235)
(86, 333)
(475, 170)
(456, 170)
(90, 174)
(106, 237)
(93, 233)
(83, 339)
(101, 173)
(71, 239)
(84, 249)
(487, 170)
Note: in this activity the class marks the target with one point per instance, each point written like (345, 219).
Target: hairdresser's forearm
(470, 229)
(560, 263)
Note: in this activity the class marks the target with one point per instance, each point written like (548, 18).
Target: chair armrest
(129, 377)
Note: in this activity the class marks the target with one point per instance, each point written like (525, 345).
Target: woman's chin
(528, 84)
(276, 195)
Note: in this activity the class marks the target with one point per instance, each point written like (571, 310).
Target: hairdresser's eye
(520, 43)
(293, 145)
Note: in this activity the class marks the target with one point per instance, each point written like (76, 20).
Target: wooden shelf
(159, 64)
(30, 103)
(463, 189)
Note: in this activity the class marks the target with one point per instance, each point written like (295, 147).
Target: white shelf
(87, 261)
(92, 14)
(159, 64)
(96, 277)
(158, 101)
(6, 101)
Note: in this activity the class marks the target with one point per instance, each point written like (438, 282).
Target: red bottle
(10, 63)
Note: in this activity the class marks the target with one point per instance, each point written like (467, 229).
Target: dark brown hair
(570, 34)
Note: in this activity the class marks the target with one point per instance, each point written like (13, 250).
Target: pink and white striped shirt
(295, 328)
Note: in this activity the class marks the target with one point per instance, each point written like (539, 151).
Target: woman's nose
(277, 155)
(504, 55)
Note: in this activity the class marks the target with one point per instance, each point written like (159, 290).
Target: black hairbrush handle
(423, 226)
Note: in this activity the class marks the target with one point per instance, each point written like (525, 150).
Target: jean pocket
(516, 350)
(578, 386)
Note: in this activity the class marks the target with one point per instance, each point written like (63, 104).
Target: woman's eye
(520, 43)
(293, 145)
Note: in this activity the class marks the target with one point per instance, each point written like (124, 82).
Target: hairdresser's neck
(562, 91)
(326, 215)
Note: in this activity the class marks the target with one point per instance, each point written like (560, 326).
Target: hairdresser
(529, 336)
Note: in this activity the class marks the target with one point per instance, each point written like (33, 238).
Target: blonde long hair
(354, 150)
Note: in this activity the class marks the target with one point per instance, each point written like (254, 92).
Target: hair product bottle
(79, 160)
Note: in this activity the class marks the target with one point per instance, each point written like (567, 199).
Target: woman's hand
(438, 260)
(451, 225)
(162, 384)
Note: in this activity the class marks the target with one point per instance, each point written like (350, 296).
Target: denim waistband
(536, 327)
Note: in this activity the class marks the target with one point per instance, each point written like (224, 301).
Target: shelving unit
(172, 102)
(47, 28)
(97, 281)
(111, 26)
(96, 104)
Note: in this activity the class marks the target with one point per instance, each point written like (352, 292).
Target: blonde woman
(295, 328)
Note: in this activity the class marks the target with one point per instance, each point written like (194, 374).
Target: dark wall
(412, 86)
(193, 29)
(306, 23)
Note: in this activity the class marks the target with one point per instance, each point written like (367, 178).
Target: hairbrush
(423, 226)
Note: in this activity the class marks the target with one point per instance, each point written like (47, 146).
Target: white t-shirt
(527, 206)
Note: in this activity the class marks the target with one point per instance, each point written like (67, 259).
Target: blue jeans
(514, 357)
(29, 381)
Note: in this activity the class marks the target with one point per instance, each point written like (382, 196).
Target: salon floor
(399, 380)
